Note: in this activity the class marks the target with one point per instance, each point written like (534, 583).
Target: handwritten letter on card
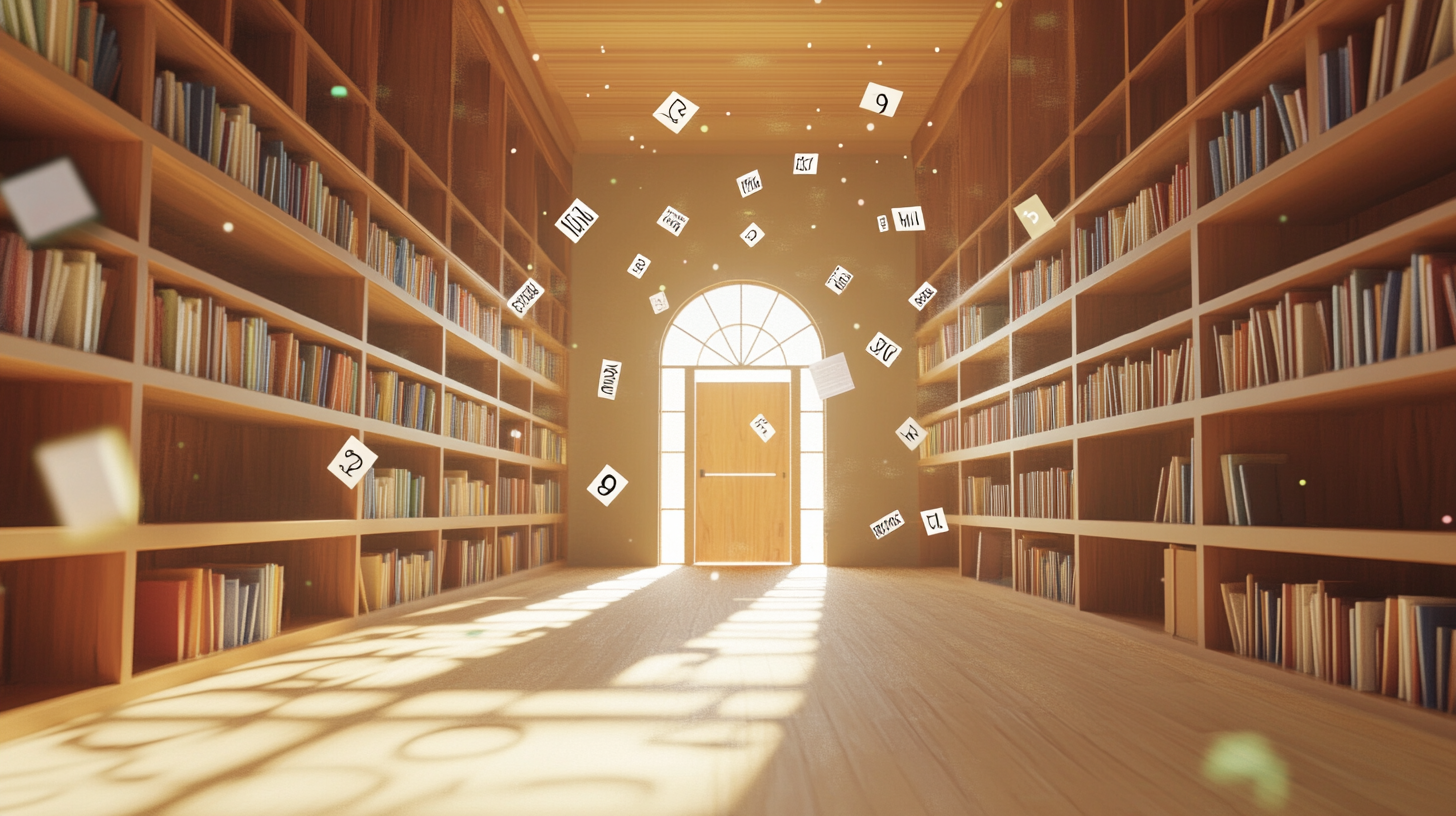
(806, 164)
(607, 486)
(608, 379)
(525, 297)
(839, 280)
(880, 99)
(883, 349)
(910, 433)
(887, 524)
(761, 427)
(577, 219)
(674, 112)
(352, 462)
(934, 521)
(639, 265)
(922, 296)
(672, 221)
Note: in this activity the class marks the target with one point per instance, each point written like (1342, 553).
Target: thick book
(1428, 616)
(160, 626)
(1260, 483)
(1229, 465)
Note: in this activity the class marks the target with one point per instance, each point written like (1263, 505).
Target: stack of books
(60, 296)
(188, 612)
(987, 425)
(393, 493)
(465, 496)
(469, 562)
(514, 495)
(1252, 139)
(549, 445)
(1252, 487)
(397, 259)
(1113, 388)
(543, 546)
(1174, 504)
(1044, 493)
(472, 314)
(546, 497)
(469, 421)
(985, 498)
(71, 35)
(1042, 409)
(391, 577)
(400, 401)
(1047, 569)
(941, 438)
(1125, 228)
(1046, 279)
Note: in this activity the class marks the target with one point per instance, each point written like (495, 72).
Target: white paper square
(608, 379)
(887, 524)
(751, 234)
(761, 426)
(672, 221)
(659, 302)
(749, 183)
(908, 219)
(839, 280)
(352, 462)
(934, 521)
(831, 376)
(47, 199)
(577, 219)
(922, 296)
(639, 265)
(806, 164)
(90, 479)
(1034, 216)
(910, 433)
(607, 486)
(881, 99)
(884, 223)
(883, 349)
(675, 111)
(525, 297)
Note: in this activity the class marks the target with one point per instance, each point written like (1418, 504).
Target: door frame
(756, 374)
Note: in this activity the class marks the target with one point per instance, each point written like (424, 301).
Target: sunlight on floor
(400, 719)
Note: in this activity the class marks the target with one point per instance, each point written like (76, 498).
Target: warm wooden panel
(743, 518)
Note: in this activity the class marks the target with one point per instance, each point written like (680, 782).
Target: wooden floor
(767, 691)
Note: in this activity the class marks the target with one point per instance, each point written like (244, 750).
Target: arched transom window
(741, 325)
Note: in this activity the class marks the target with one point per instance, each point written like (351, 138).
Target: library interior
(1033, 407)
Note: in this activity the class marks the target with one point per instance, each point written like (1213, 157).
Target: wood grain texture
(743, 518)
(911, 692)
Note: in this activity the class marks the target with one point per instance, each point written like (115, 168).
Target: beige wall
(869, 472)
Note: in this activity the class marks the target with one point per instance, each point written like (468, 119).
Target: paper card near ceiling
(880, 99)
(922, 296)
(751, 234)
(806, 164)
(749, 183)
(672, 221)
(352, 462)
(48, 199)
(607, 381)
(908, 219)
(577, 219)
(883, 349)
(839, 280)
(884, 223)
(639, 265)
(675, 112)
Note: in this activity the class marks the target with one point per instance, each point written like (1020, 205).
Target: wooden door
(743, 484)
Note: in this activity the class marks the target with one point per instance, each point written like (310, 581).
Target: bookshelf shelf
(1150, 82)
(231, 475)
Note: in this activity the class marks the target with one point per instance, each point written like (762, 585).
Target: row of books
(986, 498)
(941, 437)
(469, 421)
(1125, 228)
(398, 260)
(1407, 38)
(1251, 487)
(393, 493)
(1113, 388)
(549, 445)
(465, 496)
(518, 344)
(1046, 279)
(1371, 316)
(513, 495)
(391, 577)
(188, 113)
(1252, 139)
(469, 562)
(188, 612)
(1042, 409)
(400, 401)
(60, 296)
(987, 425)
(1046, 570)
(71, 35)
(975, 322)
(1345, 634)
(1044, 493)
(473, 314)
(1174, 504)
(520, 551)
(546, 496)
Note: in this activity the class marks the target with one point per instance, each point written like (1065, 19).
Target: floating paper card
(884, 224)
(607, 380)
(806, 164)
(748, 184)
(607, 485)
(675, 112)
(761, 427)
(90, 479)
(831, 376)
(352, 462)
(577, 219)
(672, 221)
(47, 199)
(751, 235)
(525, 297)
(887, 524)
(922, 296)
(1034, 216)
(910, 433)
(659, 303)
(880, 99)
(883, 349)
(908, 219)
(934, 521)
(639, 265)
(839, 280)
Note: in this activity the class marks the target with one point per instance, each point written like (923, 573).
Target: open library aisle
(1226, 372)
(760, 681)
(289, 254)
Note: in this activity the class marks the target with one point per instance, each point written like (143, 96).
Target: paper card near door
(831, 376)
(839, 280)
(607, 486)
(761, 426)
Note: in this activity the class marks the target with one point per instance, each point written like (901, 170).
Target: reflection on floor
(767, 691)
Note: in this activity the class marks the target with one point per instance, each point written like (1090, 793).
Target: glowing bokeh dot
(861, 202)
(227, 226)
(714, 576)
(1446, 519)
(870, 126)
(856, 325)
(715, 269)
(703, 128)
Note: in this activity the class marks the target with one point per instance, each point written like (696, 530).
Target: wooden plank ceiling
(748, 64)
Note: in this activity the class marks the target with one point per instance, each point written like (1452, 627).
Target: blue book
(1213, 167)
(1390, 315)
(1428, 619)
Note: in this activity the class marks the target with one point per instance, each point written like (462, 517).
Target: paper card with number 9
(880, 99)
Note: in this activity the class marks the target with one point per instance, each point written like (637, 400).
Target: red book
(161, 615)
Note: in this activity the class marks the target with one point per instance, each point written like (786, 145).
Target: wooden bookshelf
(418, 119)
(1086, 102)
